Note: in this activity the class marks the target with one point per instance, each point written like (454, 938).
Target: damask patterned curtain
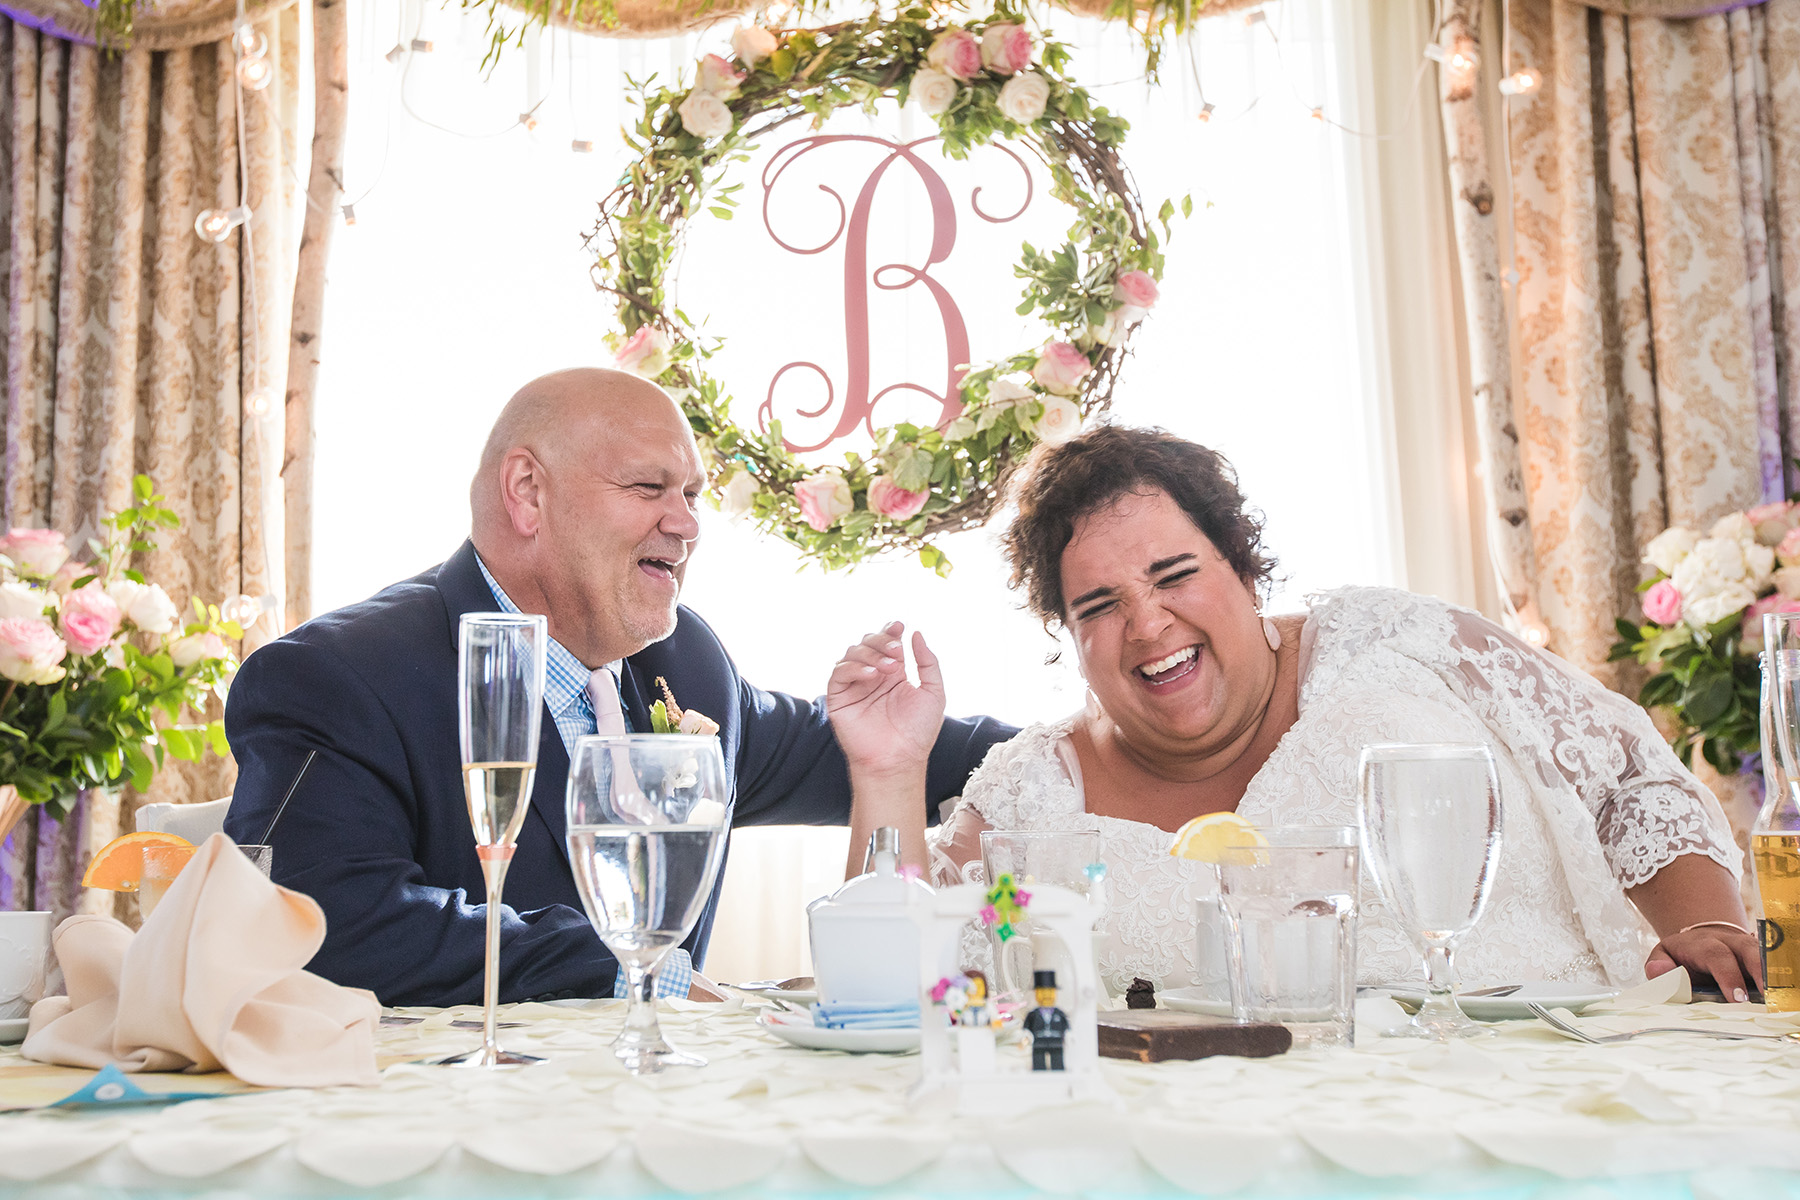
(130, 342)
(1656, 207)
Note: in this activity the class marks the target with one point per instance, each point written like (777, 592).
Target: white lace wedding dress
(1594, 801)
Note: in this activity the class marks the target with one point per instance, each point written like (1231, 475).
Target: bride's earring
(1272, 634)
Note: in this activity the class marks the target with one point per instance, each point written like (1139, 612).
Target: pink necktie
(603, 693)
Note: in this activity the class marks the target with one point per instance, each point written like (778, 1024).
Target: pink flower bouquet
(1703, 606)
(96, 670)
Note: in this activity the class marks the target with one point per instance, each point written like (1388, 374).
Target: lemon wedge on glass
(1207, 838)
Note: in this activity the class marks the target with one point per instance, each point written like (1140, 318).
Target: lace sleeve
(1648, 810)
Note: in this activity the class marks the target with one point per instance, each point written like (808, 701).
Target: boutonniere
(666, 716)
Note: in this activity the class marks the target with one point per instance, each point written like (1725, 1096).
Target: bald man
(583, 509)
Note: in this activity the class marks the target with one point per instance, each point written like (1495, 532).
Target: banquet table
(1523, 1112)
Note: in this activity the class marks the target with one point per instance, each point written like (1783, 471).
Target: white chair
(195, 822)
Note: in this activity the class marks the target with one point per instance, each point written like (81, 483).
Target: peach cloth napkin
(213, 980)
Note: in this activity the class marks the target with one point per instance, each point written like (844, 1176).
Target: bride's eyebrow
(1160, 565)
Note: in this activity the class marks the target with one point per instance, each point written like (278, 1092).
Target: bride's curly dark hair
(1062, 484)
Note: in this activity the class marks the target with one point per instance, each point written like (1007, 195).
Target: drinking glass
(1289, 907)
(499, 711)
(1060, 858)
(1431, 832)
(648, 816)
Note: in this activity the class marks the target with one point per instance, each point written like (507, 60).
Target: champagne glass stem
(1440, 982)
(494, 861)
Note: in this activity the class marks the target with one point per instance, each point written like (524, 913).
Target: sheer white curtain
(464, 276)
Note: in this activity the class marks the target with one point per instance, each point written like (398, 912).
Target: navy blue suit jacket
(378, 833)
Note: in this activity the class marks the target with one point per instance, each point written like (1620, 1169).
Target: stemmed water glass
(648, 816)
(1431, 834)
(499, 709)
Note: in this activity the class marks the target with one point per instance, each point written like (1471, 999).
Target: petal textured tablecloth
(1512, 1114)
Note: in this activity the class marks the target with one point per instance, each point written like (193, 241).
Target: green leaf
(659, 718)
(142, 488)
(215, 737)
(1707, 698)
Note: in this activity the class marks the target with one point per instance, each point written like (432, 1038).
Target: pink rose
(1136, 288)
(1006, 48)
(1662, 604)
(719, 77)
(645, 353)
(1787, 551)
(37, 551)
(956, 53)
(30, 651)
(1060, 368)
(823, 499)
(891, 500)
(89, 619)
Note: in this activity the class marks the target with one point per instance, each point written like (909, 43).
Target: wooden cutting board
(1156, 1035)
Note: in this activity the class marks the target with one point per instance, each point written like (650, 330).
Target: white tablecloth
(1505, 1116)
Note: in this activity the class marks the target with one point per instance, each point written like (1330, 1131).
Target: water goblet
(1431, 834)
(499, 712)
(648, 817)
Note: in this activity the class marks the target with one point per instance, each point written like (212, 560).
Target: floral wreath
(980, 84)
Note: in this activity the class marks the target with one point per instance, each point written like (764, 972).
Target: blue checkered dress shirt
(565, 692)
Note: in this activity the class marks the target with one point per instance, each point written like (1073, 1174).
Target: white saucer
(797, 1029)
(12, 1029)
(1572, 996)
(1194, 1000)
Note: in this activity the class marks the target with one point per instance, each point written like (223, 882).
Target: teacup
(24, 949)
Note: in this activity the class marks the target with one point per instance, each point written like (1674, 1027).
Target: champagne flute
(648, 816)
(1431, 832)
(499, 712)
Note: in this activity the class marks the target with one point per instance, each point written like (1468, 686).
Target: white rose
(934, 90)
(1787, 582)
(738, 493)
(1723, 556)
(1759, 564)
(752, 44)
(1005, 391)
(1118, 323)
(152, 611)
(704, 115)
(195, 646)
(1024, 97)
(1736, 527)
(1060, 422)
(695, 724)
(22, 600)
(1715, 606)
(1669, 547)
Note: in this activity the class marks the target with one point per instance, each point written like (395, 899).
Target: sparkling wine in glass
(1431, 835)
(499, 711)
(647, 822)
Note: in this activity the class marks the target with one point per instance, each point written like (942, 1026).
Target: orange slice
(118, 866)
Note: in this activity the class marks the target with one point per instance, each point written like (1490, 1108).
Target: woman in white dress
(1142, 547)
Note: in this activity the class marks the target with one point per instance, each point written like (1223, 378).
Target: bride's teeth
(1174, 660)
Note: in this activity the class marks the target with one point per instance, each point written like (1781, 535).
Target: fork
(1570, 1031)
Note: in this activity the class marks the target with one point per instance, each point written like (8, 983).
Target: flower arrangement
(1702, 630)
(97, 667)
(982, 81)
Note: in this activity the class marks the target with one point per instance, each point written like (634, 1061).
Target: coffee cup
(24, 951)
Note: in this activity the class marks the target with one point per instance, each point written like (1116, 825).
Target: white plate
(1572, 996)
(13, 1030)
(1194, 1000)
(798, 1030)
(769, 989)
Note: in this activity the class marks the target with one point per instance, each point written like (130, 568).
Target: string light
(349, 211)
(246, 610)
(1520, 82)
(259, 403)
(255, 73)
(1206, 112)
(247, 41)
(529, 121)
(1458, 59)
(1318, 114)
(1254, 17)
(581, 146)
(396, 54)
(421, 46)
(215, 224)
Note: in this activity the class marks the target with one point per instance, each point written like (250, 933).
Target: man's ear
(522, 491)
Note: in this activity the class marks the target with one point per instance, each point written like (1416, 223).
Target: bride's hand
(1730, 956)
(885, 723)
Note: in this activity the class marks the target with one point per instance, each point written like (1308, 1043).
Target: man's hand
(886, 724)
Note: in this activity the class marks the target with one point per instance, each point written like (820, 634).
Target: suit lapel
(631, 694)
